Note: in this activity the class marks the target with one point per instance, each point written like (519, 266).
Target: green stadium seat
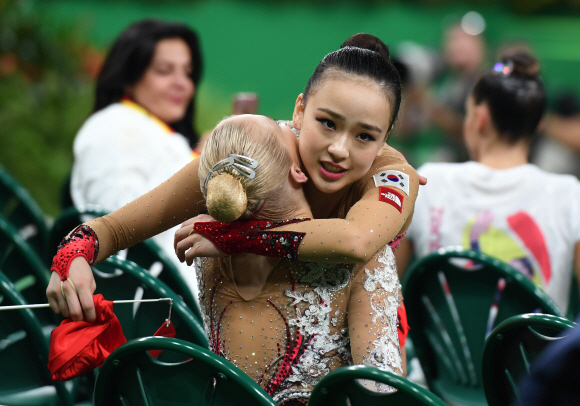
(454, 298)
(20, 209)
(24, 376)
(511, 348)
(23, 267)
(131, 376)
(343, 388)
(120, 279)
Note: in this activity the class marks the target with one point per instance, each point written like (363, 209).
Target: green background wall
(270, 48)
(273, 48)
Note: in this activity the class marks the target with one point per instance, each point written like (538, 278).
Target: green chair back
(24, 377)
(343, 388)
(20, 209)
(23, 267)
(147, 254)
(454, 298)
(574, 301)
(119, 279)
(130, 376)
(511, 348)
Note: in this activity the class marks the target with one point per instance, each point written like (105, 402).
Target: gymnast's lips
(331, 170)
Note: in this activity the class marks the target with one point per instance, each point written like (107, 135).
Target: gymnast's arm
(372, 314)
(370, 224)
(169, 204)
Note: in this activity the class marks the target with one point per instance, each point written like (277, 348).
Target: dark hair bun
(368, 41)
(525, 64)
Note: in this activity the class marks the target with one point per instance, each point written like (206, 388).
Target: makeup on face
(166, 88)
(343, 128)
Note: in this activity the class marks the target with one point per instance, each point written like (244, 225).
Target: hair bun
(368, 41)
(226, 198)
(524, 63)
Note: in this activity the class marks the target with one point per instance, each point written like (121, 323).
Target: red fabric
(392, 197)
(252, 237)
(163, 331)
(402, 324)
(77, 347)
(82, 242)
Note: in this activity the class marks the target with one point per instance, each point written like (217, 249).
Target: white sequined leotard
(296, 329)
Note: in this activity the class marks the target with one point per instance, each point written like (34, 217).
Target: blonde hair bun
(226, 198)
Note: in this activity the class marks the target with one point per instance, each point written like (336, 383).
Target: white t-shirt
(523, 216)
(122, 152)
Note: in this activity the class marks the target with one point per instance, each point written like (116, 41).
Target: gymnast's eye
(366, 137)
(326, 123)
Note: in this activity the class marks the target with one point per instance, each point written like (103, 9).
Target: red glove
(82, 242)
(252, 237)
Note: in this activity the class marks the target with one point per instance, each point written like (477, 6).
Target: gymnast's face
(343, 126)
(166, 87)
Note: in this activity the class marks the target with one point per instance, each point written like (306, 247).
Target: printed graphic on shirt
(393, 179)
(435, 224)
(391, 196)
(523, 246)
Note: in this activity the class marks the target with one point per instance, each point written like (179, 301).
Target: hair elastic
(504, 68)
(242, 164)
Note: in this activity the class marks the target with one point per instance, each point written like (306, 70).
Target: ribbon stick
(42, 305)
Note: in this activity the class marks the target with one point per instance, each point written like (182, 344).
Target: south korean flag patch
(396, 179)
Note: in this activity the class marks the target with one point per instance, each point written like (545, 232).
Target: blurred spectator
(464, 54)
(414, 136)
(498, 203)
(242, 103)
(558, 147)
(141, 130)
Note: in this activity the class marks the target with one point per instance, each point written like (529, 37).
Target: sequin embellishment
(82, 241)
(253, 237)
(295, 331)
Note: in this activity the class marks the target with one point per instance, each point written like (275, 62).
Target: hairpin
(242, 164)
(504, 68)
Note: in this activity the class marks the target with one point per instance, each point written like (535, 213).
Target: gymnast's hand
(77, 301)
(189, 244)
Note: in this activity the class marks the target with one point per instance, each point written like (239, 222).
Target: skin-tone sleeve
(372, 313)
(370, 224)
(172, 202)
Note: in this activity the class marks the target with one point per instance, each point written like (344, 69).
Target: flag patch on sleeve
(391, 196)
(396, 179)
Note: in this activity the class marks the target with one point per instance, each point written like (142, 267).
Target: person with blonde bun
(285, 323)
(498, 203)
(361, 198)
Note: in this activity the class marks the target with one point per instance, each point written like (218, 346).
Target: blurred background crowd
(51, 52)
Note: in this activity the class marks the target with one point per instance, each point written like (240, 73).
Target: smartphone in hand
(245, 103)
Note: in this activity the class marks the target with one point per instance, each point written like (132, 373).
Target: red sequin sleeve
(253, 237)
(81, 242)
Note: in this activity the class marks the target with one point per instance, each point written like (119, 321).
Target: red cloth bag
(77, 347)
